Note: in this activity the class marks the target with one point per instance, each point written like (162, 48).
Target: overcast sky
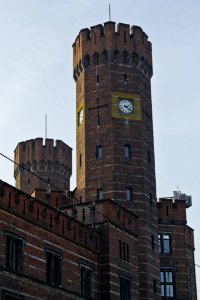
(36, 79)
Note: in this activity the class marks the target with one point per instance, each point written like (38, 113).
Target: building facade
(110, 238)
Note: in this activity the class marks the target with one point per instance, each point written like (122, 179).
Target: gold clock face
(80, 116)
(125, 106)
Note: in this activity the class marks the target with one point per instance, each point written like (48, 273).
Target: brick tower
(115, 147)
(51, 162)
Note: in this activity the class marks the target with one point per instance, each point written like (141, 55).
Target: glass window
(164, 240)
(167, 284)
(99, 194)
(86, 281)
(129, 194)
(127, 151)
(125, 289)
(99, 152)
(53, 270)
(14, 253)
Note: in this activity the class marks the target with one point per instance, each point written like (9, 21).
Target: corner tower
(115, 147)
(52, 162)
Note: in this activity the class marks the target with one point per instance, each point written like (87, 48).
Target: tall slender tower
(115, 147)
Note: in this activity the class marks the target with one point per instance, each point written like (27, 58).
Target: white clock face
(125, 106)
(80, 116)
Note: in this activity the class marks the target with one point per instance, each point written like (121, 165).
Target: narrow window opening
(154, 286)
(127, 151)
(97, 79)
(125, 289)
(53, 268)
(120, 249)
(127, 252)
(14, 253)
(125, 78)
(86, 281)
(124, 36)
(99, 194)
(99, 152)
(80, 160)
(124, 251)
(129, 195)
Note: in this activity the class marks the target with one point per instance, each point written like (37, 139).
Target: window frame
(127, 151)
(129, 194)
(99, 152)
(86, 281)
(161, 241)
(125, 294)
(166, 285)
(14, 252)
(53, 267)
(100, 194)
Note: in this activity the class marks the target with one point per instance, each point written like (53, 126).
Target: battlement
(112, 44)
(172, 211)
(104, 211)
(40, 214)
(51, 160)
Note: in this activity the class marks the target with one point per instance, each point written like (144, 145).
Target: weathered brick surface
(172, 220)
(121, 52)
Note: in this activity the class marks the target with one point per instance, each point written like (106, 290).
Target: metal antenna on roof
(109, 13)
(45, 126)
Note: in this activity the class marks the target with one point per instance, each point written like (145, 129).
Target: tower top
(112, 44)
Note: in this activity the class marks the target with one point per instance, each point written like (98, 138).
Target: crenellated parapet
(110, 44)
(171, 211)
(50, 160)
(38, 213)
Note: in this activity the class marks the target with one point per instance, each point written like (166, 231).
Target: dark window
(10, 296)
(127, 151)
(97, 78)
(154, 286)
(127, 252)
(99, 152)
(167, 284)
(164, 243)
(53, 267)
(125, 289)
(124, 36)
(120, 249)
(150, 199)
(125, 78)
(129, 194)
(123, 250)
(99, 194)
(14, 253)
(86, 282)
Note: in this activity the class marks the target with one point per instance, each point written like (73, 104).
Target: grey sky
(36, 78)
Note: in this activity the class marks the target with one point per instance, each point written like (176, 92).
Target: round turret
(52, 162)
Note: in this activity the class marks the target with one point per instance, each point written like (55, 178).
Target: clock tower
(115, 147)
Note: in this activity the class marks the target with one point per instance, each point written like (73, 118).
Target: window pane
(169, 291)
(162, 279)
(162, 290)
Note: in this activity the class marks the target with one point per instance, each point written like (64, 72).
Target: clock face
(125, 106)
(80, 116)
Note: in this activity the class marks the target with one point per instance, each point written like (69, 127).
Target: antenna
(109, 13)
(45, 126)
